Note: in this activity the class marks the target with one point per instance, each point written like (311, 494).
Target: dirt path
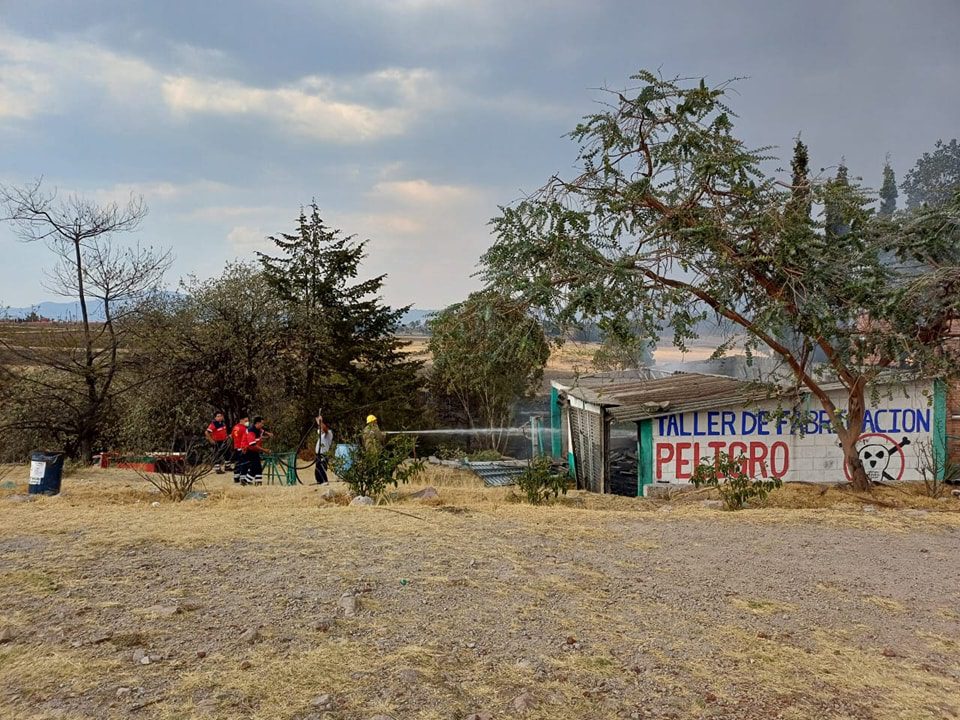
(510, 611)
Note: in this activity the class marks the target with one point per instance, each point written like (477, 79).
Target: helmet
(371, 419)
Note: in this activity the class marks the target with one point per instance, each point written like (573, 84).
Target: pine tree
(835, 222)
(799, 205)
(342, 354)
(888, 191)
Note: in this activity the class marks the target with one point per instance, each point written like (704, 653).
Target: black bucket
(46, 472)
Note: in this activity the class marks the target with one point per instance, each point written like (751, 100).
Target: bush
(371, 469)
(178, 479)
(726, 473)
(540, 483)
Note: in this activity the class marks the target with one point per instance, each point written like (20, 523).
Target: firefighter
(372, 435)
(239, 437)
(253, 465)
(216, 434)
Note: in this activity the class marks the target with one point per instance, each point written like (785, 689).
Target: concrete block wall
(899, 429)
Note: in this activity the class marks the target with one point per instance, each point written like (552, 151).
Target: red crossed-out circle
(892, 443)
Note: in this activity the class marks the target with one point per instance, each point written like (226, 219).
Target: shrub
(540, 483)
(176, 480)
(726, 473)
(371, 469)
(936, 469)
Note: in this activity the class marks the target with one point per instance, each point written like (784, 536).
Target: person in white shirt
(324, 443)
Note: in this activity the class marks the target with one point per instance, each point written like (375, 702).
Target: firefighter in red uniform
(217, 435)
(253, 466)
(239, 437)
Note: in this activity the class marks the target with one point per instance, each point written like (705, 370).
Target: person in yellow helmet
(373, 437)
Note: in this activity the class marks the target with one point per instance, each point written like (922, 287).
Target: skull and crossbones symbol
(876, 456)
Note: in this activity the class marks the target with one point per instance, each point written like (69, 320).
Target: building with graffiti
(625, 436)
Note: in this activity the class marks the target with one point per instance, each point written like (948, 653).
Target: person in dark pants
(216, 433)
(324, 443)
(239, 437)
(253, 470)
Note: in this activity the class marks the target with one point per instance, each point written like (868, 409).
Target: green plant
(374, 466)
(484, 455)
(727, 475)
(540, 483)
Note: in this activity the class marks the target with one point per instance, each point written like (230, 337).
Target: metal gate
(588, 449)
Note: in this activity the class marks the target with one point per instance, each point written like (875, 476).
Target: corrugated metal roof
(497, 473)
(635, 400)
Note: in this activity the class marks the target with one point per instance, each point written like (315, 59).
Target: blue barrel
(345, 453)
(46, 472)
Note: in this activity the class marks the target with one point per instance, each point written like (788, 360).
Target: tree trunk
(848, 438)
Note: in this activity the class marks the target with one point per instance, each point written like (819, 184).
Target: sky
(410, 121)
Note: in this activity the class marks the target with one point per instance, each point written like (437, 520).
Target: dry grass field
(820, 605)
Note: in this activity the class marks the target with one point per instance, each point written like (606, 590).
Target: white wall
(770, 447)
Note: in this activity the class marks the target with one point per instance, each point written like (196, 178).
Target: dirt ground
(471, 605)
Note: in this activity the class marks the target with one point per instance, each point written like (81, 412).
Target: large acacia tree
(672, 216)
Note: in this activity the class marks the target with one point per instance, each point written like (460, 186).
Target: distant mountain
(64, 311)
(70, 311)
(414, 315)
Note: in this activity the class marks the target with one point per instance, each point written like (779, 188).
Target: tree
(888, 191)
(487, 354)
(217, 341)
(72, 395)
(672, 216)
(341, 352)
(935, 177)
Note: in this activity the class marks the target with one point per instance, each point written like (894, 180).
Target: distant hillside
(413, 315)
(65, 311)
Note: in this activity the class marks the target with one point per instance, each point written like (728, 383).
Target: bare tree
(75, 377)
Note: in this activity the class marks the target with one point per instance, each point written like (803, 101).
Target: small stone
(710, 698)
(250, 636)
(428, 493)
(201, 654)
(145, 660)
(155, 504)
(165, 610)
(916, 513)
(890, 653)
(349, 604)
(100, 639)
(712, 504)
(471, 645)
(523, 702)
(323, 702)
(323, 625)
(763, 636)
(123, 692)
(7, 635)
(362, 500)
(869, 508)
(155, 658)
(139, 654)
(409, 676)
(246, 665)
(328, 495)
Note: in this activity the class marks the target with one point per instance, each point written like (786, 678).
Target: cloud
(313, 107)
(245, 240)
(44, 77)
(39, 77)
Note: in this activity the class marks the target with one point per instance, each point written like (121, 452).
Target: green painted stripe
(644, 455)
(940, 427)
(556, 442)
